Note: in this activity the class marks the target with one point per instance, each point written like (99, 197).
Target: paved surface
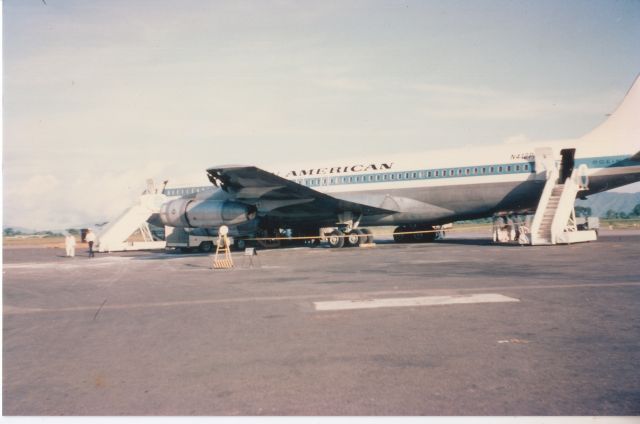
(162, 334)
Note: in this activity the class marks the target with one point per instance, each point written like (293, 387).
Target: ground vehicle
(188, 241)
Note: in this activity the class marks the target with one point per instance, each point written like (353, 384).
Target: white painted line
(340, 305)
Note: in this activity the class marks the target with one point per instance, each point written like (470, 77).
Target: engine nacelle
(205, 213)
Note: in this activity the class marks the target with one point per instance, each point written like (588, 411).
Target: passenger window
(499, 169)
(467, 171)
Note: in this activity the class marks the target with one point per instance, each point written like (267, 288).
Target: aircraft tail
(622, 128)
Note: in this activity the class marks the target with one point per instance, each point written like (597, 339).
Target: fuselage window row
(418, 175)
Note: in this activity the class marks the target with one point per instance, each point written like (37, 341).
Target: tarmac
(456, 327)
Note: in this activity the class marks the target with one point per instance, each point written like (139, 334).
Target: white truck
(189, 241)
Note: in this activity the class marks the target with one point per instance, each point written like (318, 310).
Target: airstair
(554, 221)
(132, 224)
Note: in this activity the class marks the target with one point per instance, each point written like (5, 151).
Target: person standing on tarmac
(70, 245)
(90, 238)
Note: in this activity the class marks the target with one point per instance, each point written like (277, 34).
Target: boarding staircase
(117, 234)
(554, 221)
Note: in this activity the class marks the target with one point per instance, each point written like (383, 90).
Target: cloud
(44, 201)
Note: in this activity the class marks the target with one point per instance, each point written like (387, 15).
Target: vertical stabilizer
(622, 128)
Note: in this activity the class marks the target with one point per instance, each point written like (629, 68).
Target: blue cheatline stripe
(433, 174)
(607, 161)
(185, 190)
(421, 174)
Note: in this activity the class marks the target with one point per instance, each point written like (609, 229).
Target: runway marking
(394, 302)
(9, 309)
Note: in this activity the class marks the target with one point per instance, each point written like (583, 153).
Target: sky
(101, 95)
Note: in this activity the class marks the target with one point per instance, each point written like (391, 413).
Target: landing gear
(400, 238)
(367, 232)
(336, 239)
(414, 236)
(268, 243)
(356, 237)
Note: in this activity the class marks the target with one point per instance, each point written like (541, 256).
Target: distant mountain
(22, 230)
(619, 202)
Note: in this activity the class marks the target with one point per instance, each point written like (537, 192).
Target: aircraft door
(567, 164)
(544, 162)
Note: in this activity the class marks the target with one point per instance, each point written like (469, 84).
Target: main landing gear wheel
(336, 239)
(400, 238)
(415, 237)
(367, 232)
(269, 244)
(355, 237)
(266, 242)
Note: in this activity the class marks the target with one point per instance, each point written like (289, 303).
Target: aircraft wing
(270, 192)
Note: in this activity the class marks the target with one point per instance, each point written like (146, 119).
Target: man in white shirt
(90, 238)
(70, 245)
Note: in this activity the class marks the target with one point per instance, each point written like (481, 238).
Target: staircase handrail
(552, 177)
(147, 201)
(565, 205)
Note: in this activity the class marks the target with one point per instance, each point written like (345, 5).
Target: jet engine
(205, 213)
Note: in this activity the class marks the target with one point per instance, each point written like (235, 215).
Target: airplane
(413, 192)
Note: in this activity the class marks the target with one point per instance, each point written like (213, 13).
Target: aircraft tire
(269, 244)
(400, 238)
(355, 237)
(336, 239)
(423, 237)
(369, 235)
